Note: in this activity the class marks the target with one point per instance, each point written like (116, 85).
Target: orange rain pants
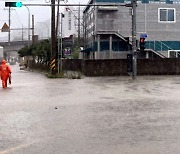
(5, 72)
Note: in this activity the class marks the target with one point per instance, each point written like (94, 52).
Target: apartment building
(108, 29)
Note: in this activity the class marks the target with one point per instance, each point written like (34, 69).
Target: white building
(69, 20)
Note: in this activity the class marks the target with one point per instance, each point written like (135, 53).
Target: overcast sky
(19, 16)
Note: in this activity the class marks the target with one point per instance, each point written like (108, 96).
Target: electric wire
(74, 14)
(81, 23)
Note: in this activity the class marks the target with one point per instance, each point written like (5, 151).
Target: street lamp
(46, 26)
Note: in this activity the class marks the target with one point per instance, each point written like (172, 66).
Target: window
(167, 15)
(173, 53)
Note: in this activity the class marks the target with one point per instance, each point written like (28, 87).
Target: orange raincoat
(5, 72)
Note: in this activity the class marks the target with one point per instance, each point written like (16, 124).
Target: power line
(81, 23)
(115, 5)
(73, 14)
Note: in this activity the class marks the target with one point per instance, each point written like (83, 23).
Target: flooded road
(98, 115)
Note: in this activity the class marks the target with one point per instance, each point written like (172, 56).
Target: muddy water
(99, 115)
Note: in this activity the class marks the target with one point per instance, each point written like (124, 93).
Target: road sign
(5, 28)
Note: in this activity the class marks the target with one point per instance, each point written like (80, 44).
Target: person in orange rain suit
(5, 73)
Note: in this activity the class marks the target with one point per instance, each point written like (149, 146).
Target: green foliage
(40, 50)
(26, 51)
(75, 49)
(75, 53)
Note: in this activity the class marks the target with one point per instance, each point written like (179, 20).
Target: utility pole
(61, 42)
(134, 48)
(33, 39)
(79, 26)
(60, 48)
(53, 34)
(57, 21)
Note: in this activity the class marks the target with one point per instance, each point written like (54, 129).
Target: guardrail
(157, 45)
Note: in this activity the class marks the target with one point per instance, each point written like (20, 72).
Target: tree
(75, 49)
(40, 51)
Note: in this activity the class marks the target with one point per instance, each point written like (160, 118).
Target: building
(108, 29)
(68, 23)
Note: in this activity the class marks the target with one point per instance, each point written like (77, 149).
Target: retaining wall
(115, 67)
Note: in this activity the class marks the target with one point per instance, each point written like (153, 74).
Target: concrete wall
(106, 67)
(159, 66)
(115, 67)
(73, 64)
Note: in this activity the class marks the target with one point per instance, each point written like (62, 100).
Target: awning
(87, 50)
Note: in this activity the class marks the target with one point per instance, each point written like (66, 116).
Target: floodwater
(93, 115)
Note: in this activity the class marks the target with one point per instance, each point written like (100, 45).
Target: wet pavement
(97, 115)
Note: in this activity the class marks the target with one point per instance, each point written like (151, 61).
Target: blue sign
(143, 35)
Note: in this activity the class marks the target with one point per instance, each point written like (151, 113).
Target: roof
(125, 1)
(87, 50)
(143, 1)
(103, 1)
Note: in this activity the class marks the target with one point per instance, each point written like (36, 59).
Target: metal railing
(157, 45)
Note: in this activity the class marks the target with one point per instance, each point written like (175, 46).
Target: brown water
(100, 115)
